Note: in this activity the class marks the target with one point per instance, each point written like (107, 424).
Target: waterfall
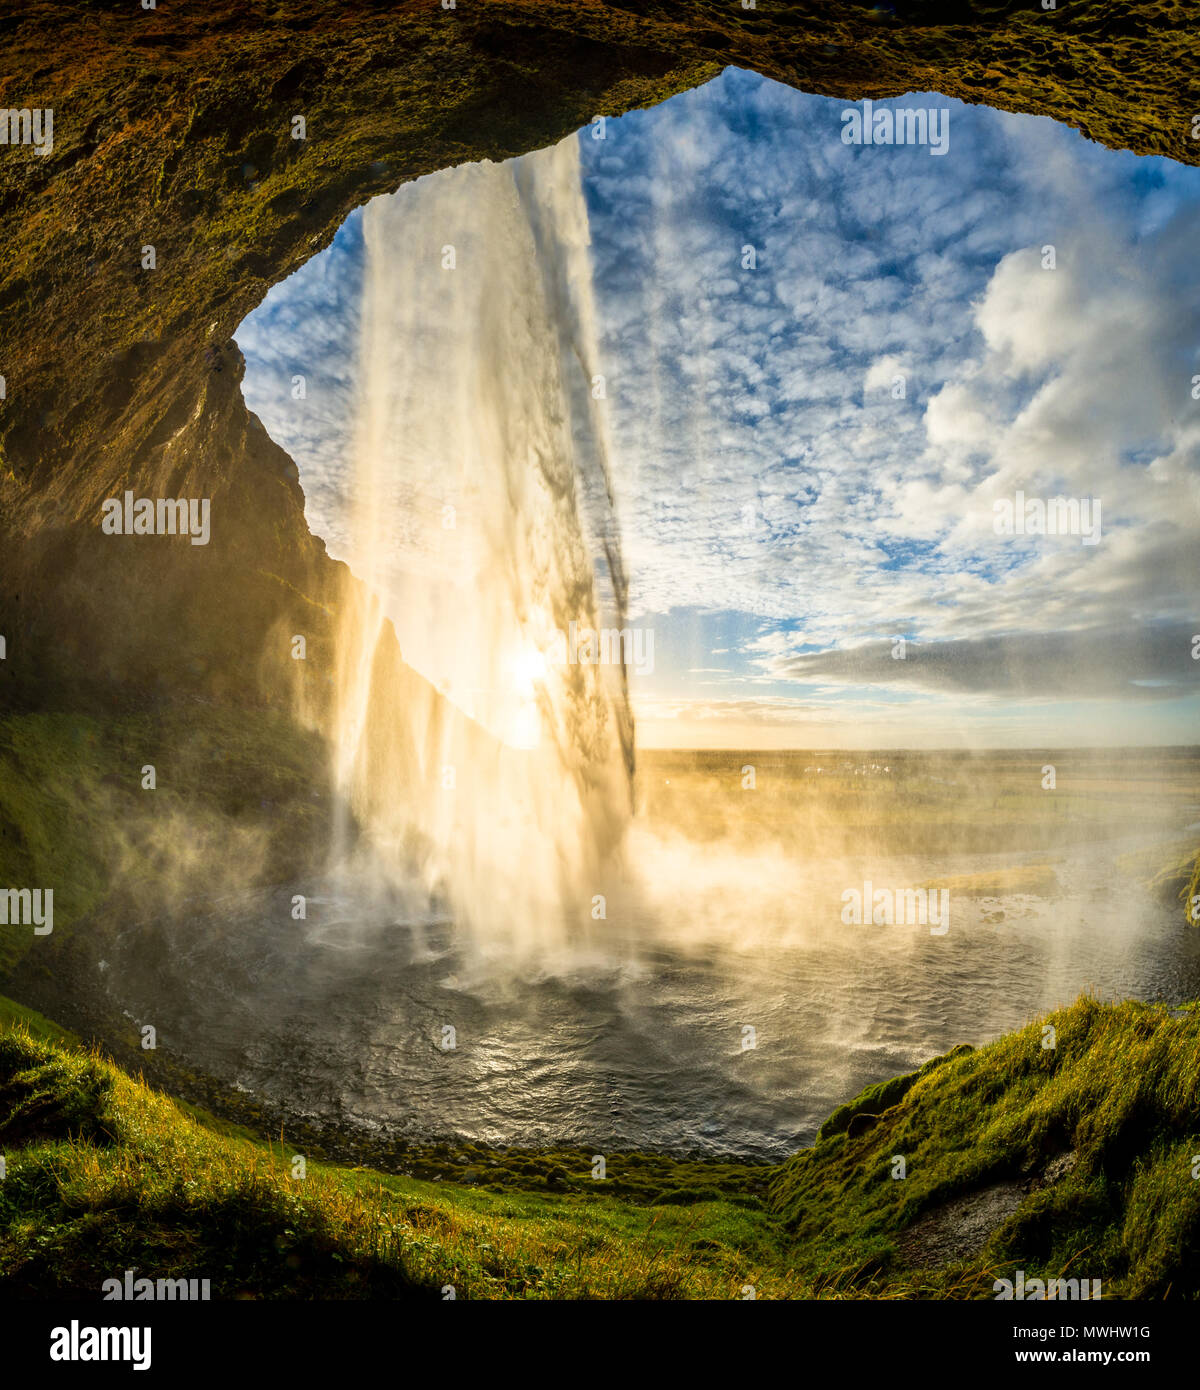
(483, 526)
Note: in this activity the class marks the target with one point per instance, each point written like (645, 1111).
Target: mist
(582, 396)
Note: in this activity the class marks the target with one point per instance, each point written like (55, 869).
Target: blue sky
(808, 449)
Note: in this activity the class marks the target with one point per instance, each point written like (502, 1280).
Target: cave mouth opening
(822, 369)
(853, 393)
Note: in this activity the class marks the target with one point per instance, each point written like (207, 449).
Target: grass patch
(119, 1176)
(105, 1174)
(1119, 1095)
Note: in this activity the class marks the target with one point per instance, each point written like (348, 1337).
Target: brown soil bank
(173, 129)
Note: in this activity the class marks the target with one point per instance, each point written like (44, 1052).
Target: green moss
(1120, 1091)
(34, 1023)
(882, 1096)
(48, 1094)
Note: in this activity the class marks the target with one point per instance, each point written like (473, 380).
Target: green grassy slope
(104, 1174)
(1094, 1139)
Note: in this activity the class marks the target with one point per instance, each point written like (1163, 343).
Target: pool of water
(721, 1007)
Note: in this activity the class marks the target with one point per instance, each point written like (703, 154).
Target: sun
(528, 667)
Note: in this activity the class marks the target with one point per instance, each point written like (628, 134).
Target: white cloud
(763, 465)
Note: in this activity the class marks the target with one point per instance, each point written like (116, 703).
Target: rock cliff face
(173, 129)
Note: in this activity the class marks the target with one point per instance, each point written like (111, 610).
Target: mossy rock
(47, 1095)
(882, 1096)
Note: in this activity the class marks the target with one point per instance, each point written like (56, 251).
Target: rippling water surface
(637, 1035)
